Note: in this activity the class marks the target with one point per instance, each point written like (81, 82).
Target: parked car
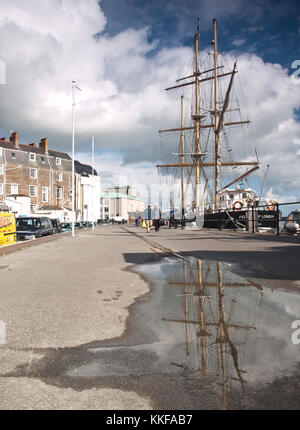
(66, 226)
(56, 224)
(78, 225)
(33, 227)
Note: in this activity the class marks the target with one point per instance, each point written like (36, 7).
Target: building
(35, 179)
(89, 192)
(119, 202)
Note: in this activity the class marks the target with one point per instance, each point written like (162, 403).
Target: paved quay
(266, 258)
(80, 333)
(62, 294)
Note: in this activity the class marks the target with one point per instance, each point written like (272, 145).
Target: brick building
(39, 173)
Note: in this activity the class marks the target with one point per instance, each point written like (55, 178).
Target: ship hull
(242, 219)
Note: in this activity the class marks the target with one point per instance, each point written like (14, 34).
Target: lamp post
(74, 87)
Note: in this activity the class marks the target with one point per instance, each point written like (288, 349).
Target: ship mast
(217, 134)
(182, 162)
(219, 123)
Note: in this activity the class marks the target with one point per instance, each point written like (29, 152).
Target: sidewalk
(63, 294)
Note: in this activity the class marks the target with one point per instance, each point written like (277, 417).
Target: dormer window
(58, 161)
(32, 156)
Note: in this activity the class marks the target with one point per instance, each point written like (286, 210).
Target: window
(32, 209)
(1, 169)
(42, 159)
(32, 156)
(59, 192)
(33, 172)
(1, 152)
(244, 195)
(231, 196)
(14, 189)
(32, 190)
(45, 194)
(1, 189)
(70, 193)
(13, 155)
(58, 161)
(59, 176)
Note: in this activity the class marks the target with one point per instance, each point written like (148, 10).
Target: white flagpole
(73, 145)
(74, 86)
(93, 164)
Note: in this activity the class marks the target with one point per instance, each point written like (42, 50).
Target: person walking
(156, 217)
(148, 218)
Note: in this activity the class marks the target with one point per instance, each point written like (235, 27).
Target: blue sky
(267, 28)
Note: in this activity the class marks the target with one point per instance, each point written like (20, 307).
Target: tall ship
(216, 151)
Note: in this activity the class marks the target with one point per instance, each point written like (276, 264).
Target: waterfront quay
(116, 318)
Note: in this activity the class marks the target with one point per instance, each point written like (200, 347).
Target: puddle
(201, 320)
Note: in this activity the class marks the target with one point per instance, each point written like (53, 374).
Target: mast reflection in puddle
(210, 296)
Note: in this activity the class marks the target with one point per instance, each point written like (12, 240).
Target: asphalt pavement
(80, 320)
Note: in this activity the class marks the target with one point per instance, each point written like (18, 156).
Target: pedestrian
(156, 217)
(148, 218)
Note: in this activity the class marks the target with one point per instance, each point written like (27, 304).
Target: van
(7, 228)
(33, 227)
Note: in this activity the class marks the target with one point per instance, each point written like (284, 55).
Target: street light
(74, 87)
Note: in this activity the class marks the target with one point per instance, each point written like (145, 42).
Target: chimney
(44, 145)
(14, 138)
(31, 144)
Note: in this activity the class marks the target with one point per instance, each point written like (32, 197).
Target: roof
(34, 149)
(111, 195)
(84, 169)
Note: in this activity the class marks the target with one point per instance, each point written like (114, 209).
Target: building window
(32, 190)
(70, 193)
(1, 169)
(45, 194)
(58, 161)
(33, 172)
(59, 192)
(13, 155)
(32, 156)
(1, 189)
(14, 189)
(32, 208)
(59, 176)
(43, 159)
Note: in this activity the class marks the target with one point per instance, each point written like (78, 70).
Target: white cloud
(46, 45)
(238, 42)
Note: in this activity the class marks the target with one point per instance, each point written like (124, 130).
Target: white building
(119, 202)
(88, 194)
(18, 204)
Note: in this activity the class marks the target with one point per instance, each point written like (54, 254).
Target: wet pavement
(141, 325)
(202, 338)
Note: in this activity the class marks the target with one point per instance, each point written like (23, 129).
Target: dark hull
(242, 219)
